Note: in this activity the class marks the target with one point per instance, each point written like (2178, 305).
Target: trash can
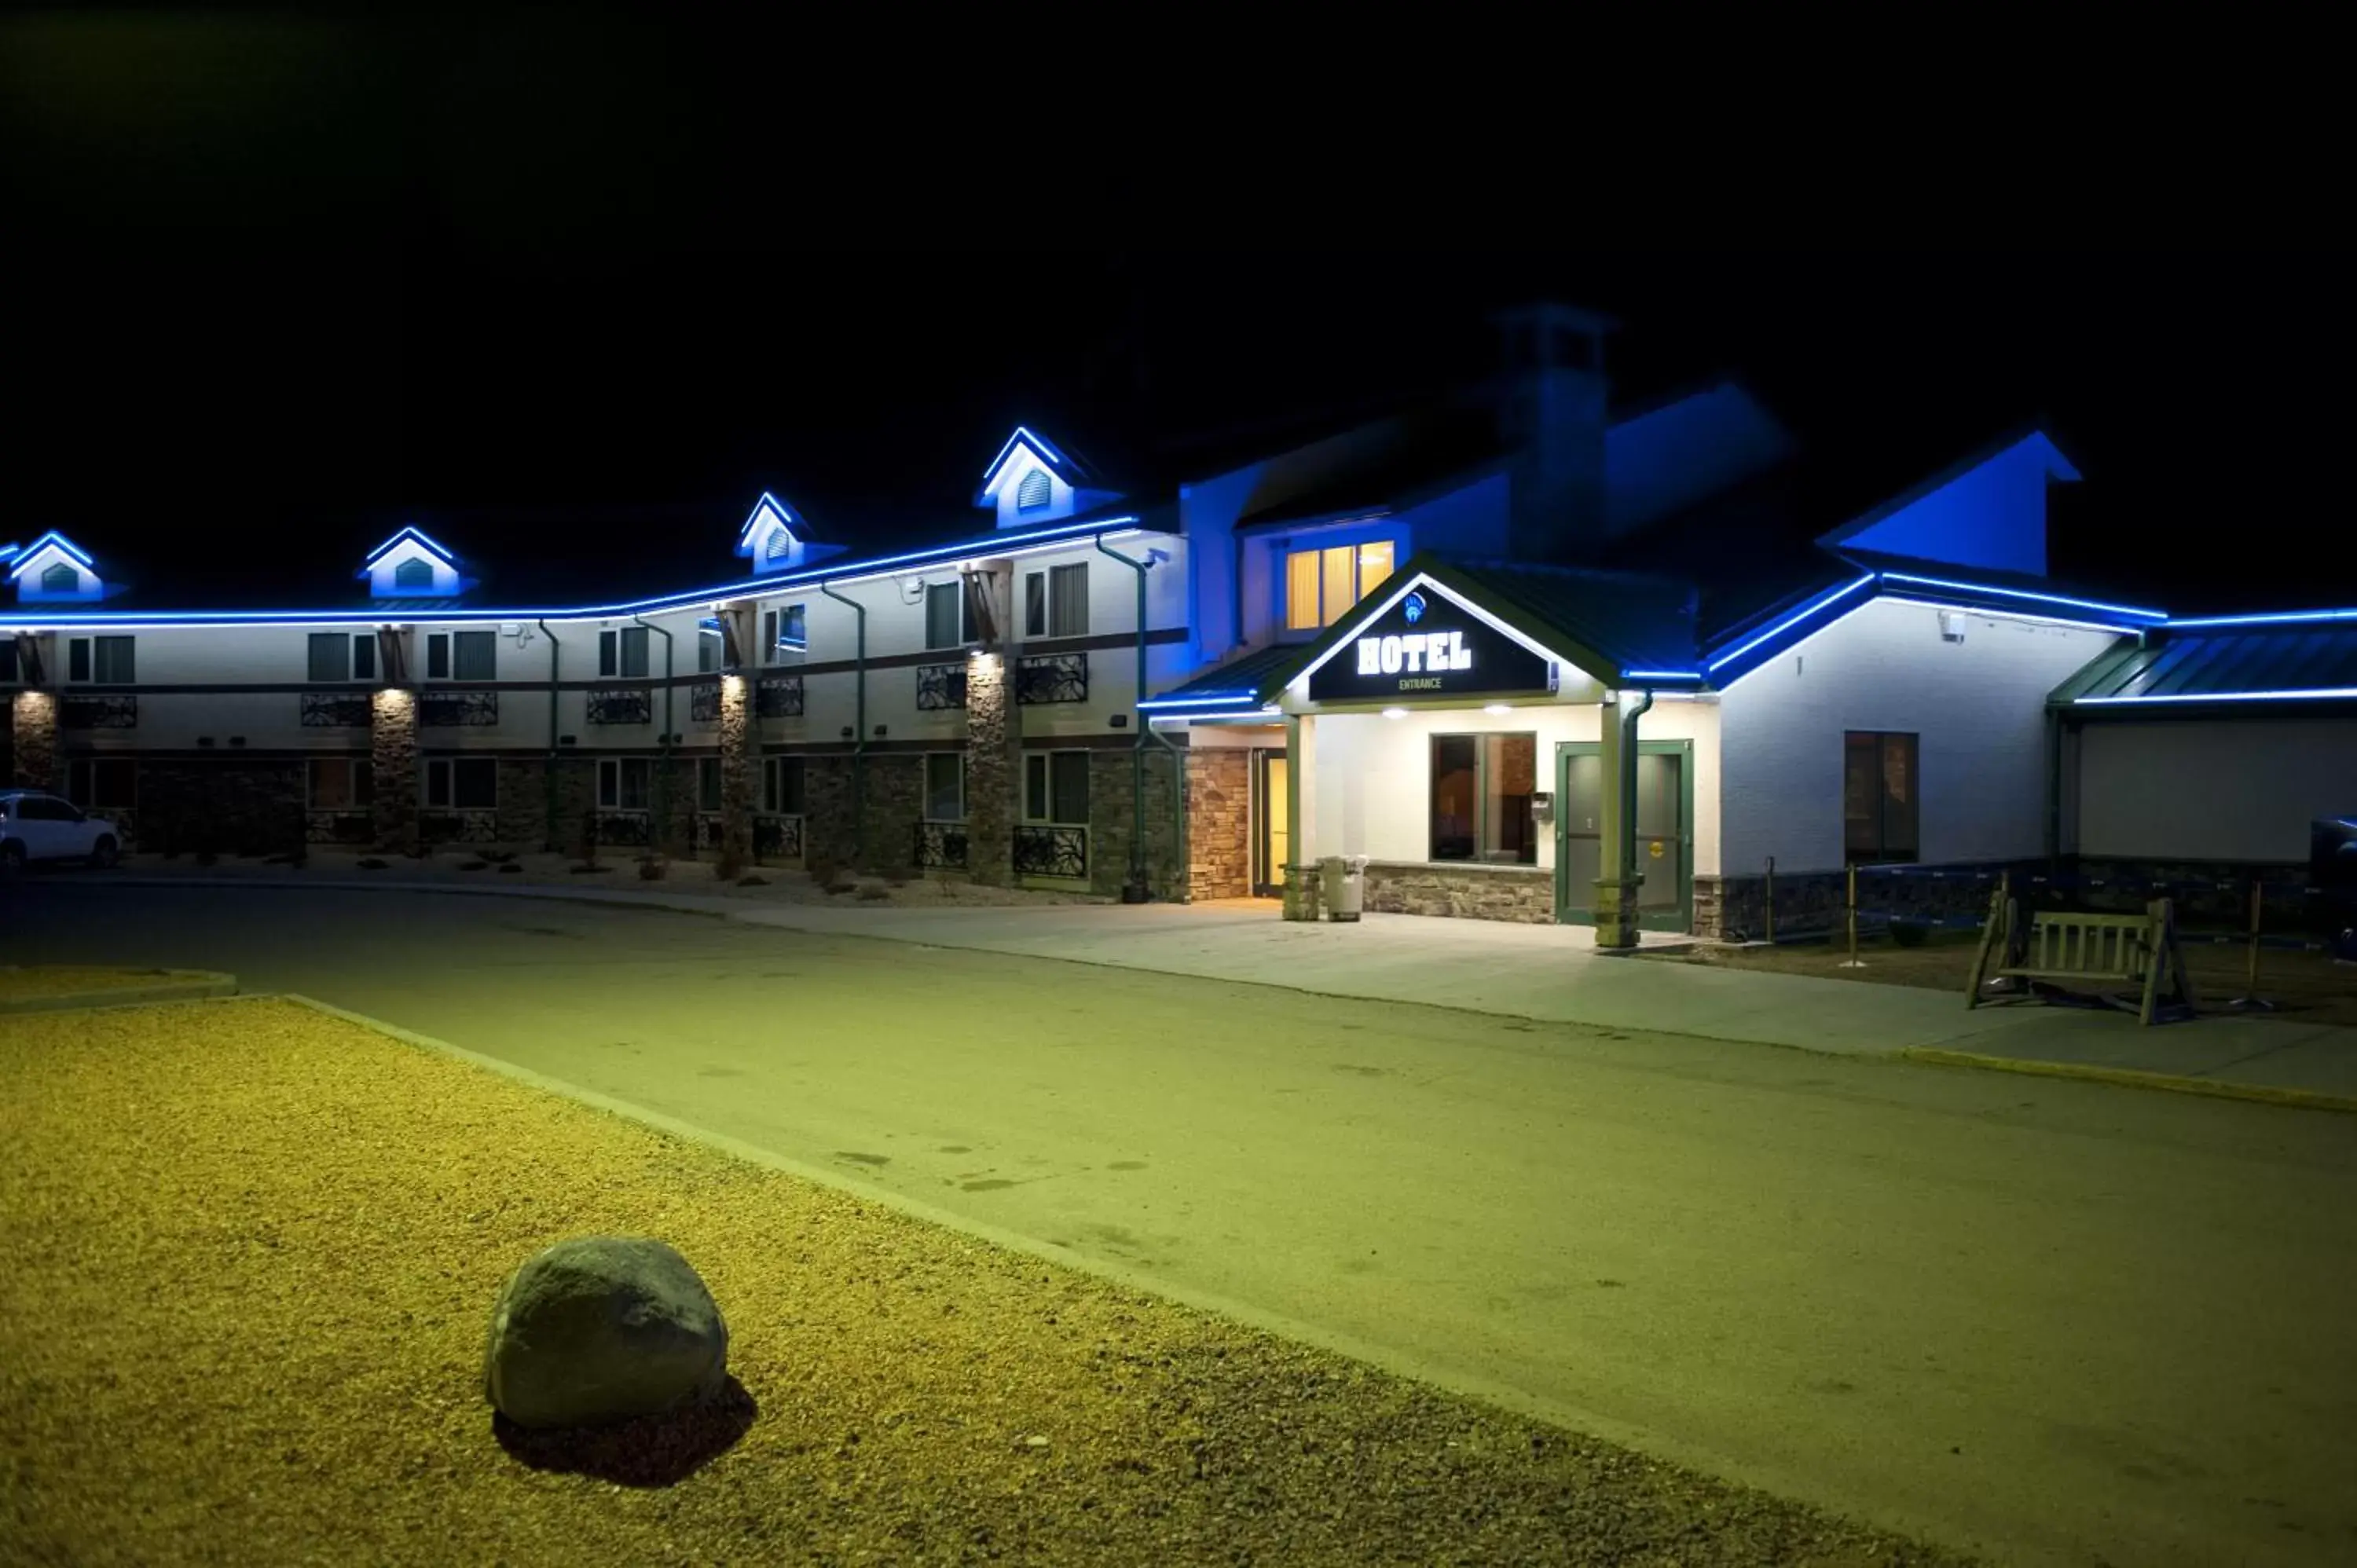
(1343, 886)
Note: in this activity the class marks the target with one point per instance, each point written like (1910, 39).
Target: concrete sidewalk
(1550, 974)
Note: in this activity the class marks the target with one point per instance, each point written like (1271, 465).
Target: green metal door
(1664, 832)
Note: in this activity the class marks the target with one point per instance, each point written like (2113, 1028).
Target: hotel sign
(1427, 645)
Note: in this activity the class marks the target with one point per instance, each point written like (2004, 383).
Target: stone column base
(1616, 914)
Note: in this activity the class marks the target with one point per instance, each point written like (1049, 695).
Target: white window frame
(1308, 544)
(610, 773)
(927, 785)
(311, 784)
(1043, 764)
(95, 644)
(773, 775)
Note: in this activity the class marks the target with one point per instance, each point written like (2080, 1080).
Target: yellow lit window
(1320, 585)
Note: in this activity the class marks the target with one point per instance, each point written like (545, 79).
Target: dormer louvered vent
(1035, 491)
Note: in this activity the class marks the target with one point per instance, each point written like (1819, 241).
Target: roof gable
(31, 569)
(1987, 511)
(391, 569)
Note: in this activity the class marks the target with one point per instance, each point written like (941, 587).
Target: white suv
(37, 826)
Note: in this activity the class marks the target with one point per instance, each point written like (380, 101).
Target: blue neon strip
(1161, 704)
(406, 533)
(2310, 695)
(1663, 675)
(2286, 618)
(767, 503)
(2026, 594)
(1042, 447)
(25, 562)
(1007, 543)
(1803, 613)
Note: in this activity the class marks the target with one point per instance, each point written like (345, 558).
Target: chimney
(1551, 416)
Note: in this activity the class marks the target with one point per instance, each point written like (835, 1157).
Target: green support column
(1618, 879)
(1300, 766)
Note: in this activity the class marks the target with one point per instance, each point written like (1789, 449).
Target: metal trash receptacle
(1342, 883)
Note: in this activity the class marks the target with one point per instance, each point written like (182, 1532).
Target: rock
(602, 1328)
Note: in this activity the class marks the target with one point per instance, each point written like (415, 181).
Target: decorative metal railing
(1045, 850)
(112, 711)
(630, 829)
(778, 697)
(940, 686)
(1052, 678)
(458, 710)
(335, 710)
(353, 826)
(622, 705)
(778, 837)
(940, 846)
(704, 703)
(446, 824)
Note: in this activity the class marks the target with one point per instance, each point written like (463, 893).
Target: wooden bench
(2055, 949)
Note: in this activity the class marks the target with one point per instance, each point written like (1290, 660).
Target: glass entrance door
(1664, 831)
(1271, 845)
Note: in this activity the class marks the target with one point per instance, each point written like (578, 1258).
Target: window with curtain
(340, 783)
(114, 660)
(946, 786)
(1879, 816)
(1056, 787)
(332, 656)
(475, 656)
(1482, 807)
(1321, 584)
(945, 614)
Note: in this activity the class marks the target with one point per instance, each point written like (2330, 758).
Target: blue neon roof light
(25, 560)
(2026, 594)
(409, 533)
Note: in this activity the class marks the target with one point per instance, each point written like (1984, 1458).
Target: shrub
(1909, 933)
(652, 868)
(874, 890)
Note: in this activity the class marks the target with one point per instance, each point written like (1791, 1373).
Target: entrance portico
(1484, 763)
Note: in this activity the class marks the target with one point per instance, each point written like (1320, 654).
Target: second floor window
(105, 660)
(783, 631)
(622, 652)
(1056, 602)
(1320, 585)
(946, 624)
(343, 656)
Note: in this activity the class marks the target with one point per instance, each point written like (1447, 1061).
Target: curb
(2130, 1078)
(609, 897)
(183, 985)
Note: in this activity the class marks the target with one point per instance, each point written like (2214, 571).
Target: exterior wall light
(1394, 713)
(1498, 708)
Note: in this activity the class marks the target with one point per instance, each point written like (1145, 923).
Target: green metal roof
(2317, 662)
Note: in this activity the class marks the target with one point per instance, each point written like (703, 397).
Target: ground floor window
(103, 783)
(782, 785)
(707, 783)
(625, 783)
(1482, 789)
(946, 786)
(1878, 797)
(1056, 787)
(340, 783)
(462, 783)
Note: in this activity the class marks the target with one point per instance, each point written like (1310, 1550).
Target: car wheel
(12, 859)
(104, 853)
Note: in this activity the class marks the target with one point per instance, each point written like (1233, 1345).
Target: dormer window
(60, 579)
(413, 574)
(1036, 491)
(781, 546)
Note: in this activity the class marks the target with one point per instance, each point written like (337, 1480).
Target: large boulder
(602, 1328)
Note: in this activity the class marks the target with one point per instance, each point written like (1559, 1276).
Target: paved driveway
(2056, 1321)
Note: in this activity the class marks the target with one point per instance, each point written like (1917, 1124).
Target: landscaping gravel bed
(253, 1252)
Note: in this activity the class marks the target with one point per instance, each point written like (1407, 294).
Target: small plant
(752, 882)
(821, 869)
(652, 868)
(874, 891)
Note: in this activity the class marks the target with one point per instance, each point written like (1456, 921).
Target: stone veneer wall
(736, 771)
(993, 724)
(1219, 822)
(1735, 908)
(393, 756)
(1111, 804)
(1472, 892)
(33, 721)
(234, 806)
(893, 803)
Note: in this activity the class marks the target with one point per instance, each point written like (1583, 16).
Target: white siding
(2236, 789)
(1979, 707)
(1373, 775)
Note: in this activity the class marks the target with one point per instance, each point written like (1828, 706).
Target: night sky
(564, 296)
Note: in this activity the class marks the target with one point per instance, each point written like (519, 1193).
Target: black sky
(562, 292)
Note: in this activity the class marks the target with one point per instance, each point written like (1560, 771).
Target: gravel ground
(254, 1250)
(68, 979)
